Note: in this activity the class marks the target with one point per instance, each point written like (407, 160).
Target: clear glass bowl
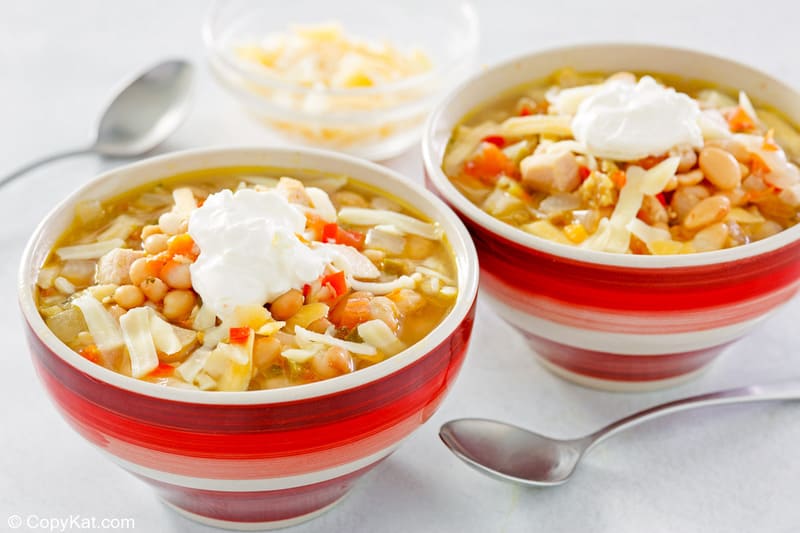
(375, 122)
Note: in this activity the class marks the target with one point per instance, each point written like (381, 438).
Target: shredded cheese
(360, 216)
(305, 338)
(94, 250)
(104, 329)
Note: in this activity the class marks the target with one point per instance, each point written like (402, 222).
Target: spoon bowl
(146, 111)
(510, 453)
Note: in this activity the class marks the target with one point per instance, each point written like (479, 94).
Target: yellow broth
(485, 160)
(328, 307)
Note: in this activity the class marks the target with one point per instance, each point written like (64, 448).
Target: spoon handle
(784, 390)
(30, 166)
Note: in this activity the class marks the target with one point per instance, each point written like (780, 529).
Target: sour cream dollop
(626, 121)
(249, 250)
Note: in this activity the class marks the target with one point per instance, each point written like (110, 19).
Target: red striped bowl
(614, 321)
(260, 459)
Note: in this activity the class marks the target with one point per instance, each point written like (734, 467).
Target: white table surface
(731, 469)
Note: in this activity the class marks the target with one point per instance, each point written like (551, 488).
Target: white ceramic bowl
(617, 321)
(254, 459)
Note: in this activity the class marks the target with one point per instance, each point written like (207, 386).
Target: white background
(730, 469)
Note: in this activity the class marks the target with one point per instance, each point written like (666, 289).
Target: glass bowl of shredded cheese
(350, 76)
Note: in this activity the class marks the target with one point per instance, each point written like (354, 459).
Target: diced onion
(350, 260)
(381, 239)
(206, 382)
(94, 250)
(204, 319)
(609, 238)
(646, 233)
(213, 336)
(63, 285)
(449, 291)
(301, 355)
(559, 203)
(231, 365)
(713, 125)
(376, 333)
(322, 204)
(189, 369)
(88, 211)
(46, 277)
(271, 328)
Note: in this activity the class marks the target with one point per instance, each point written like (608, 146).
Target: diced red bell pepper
(496, 140)
(239, 335)
(584, 172)
(337, 283)
(333, 233)
(162, 370)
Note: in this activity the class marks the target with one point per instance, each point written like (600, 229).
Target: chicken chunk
(115, 266)
(550, 172)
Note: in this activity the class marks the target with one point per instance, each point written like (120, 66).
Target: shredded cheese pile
(325, 56)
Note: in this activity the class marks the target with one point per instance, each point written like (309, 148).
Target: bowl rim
(479, 217)
(471, 34)
(463, 249)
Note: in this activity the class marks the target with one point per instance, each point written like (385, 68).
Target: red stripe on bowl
(257, 506)
(356, 422)
(613, 367)
(635, 289)
(633, 322)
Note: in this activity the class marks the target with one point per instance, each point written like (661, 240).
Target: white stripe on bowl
(247, 485)
(622, 343)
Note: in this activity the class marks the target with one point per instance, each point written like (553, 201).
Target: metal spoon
(138, 119)
(511, 453)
